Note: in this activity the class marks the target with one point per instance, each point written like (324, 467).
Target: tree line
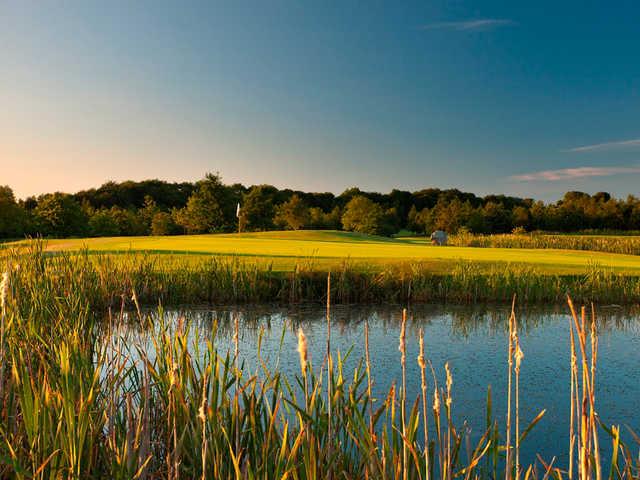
(155, 207)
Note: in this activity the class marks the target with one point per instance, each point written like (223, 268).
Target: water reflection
(472, 340)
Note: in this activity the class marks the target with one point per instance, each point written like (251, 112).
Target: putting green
(287, 248)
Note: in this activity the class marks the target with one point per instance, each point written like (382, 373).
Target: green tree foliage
(210, 209)
(148, 211)
(292, 214)
(207, 206)
(497, 217)
(257, 211)
(60, 215)
(318, 219)
(13, 218)
(102, 224)
(363, 216)
(162, 223)
(117, 221)
(451, 215)
(522, 218)
(130, 194)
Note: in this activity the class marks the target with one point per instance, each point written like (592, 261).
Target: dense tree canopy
(13, 219)
(292, 214)
(155, 207)
(257, 211)
(59, 214)
(209, 209)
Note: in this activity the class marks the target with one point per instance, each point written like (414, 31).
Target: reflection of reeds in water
(73, 407)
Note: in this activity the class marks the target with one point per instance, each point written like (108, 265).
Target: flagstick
(238, 216)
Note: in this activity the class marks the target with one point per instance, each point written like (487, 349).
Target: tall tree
(292, 214)
(210, 208)
(363, 215)
(12, 216)
(59, 215)
(258, 210)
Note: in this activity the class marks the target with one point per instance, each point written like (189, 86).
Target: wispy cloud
(481, 24)
(624, 144)
(574, 173)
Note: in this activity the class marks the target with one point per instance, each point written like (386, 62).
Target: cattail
(448, 473)
(402, 347)
(423, 366)
(236, 396)
(421, 361)
(594, 357)
(329, 369)
(134, 298)
(518, 355)
(512, 337)
(173, 375)
(4, 291)
(369, 380)
(202, 416)
(4, 294)
(303, 351)
(436, 417)
(449, 384)
(436, 402)
(403, 359)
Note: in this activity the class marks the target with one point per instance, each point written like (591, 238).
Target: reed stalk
(402, 347)
(371, 433)
(423, 382)
(202, 416)
(329, 373)
(592, 400)
(508, 463)
(4, 296)
(573, 407)
(518, 355)
(85, 397)
(236, 360)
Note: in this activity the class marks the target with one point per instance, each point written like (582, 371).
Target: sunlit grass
(327, 249)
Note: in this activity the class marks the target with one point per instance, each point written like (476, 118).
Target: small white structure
(439, 237)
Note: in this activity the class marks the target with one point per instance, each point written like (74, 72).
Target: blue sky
(491, 97)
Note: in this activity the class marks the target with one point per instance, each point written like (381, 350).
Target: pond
(474, 343)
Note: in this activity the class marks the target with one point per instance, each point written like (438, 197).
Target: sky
(525, 98)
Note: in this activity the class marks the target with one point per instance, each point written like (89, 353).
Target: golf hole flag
(238, 210)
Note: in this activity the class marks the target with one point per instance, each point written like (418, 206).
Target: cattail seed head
(4, 289)
(303, 351)
(421, 360)
(173, 375)
(402, 347)
(449, 383)
(519, 355)
(449, 377)
(436, 401)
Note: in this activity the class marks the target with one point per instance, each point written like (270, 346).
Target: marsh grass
(624, 244)
(102, 281)
(81, 400)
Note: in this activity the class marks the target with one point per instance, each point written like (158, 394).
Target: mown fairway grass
(327, 248)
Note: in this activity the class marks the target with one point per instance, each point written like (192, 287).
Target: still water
(474, 343)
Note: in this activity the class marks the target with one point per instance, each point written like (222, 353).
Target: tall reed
(625, 244)
(83, 398)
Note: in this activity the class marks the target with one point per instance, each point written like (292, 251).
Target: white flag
(238, 210)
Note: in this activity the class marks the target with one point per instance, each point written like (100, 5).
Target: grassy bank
(328, 249)
(79, 401)
(104, 279)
